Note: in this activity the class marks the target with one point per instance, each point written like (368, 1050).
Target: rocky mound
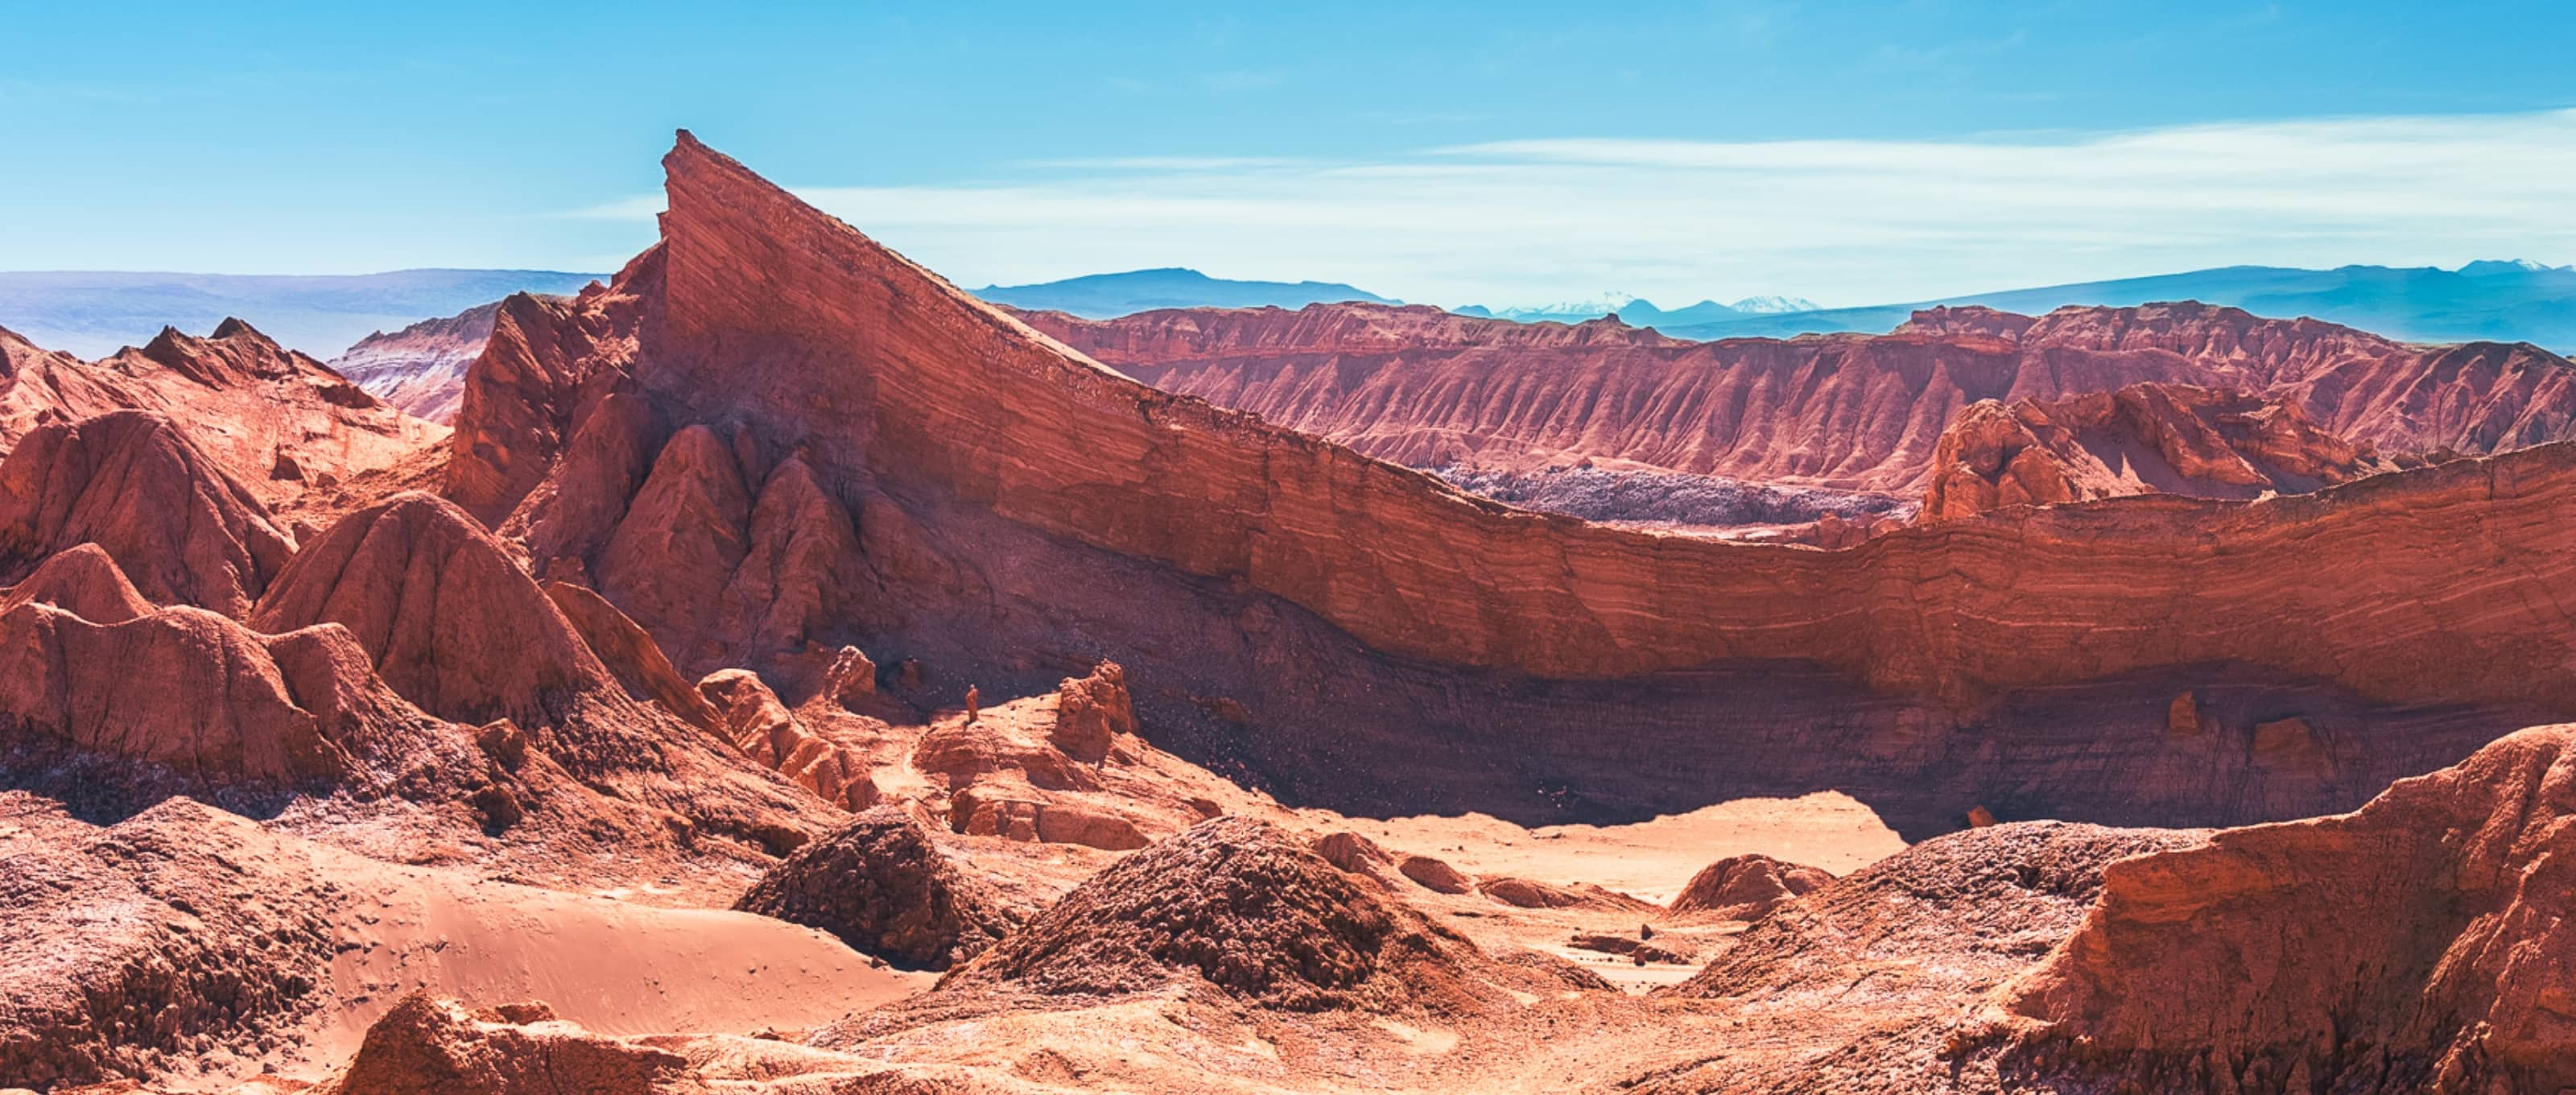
(1431, 389)
(179, 937)
(1744, 887)
(83, 581)
(450, 620)
(182, 529)
(2142, 439)
(883, 886)
(431, 1046)
(40, 387)
(2421, 943)
(1241, 905)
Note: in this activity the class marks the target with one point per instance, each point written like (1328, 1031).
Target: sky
(1495, 153)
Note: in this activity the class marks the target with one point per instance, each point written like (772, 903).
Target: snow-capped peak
(1774, 305)
(1600, 305)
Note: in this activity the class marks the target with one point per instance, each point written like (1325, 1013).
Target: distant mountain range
(2489, 300)
(1637, 312)
(91, 313)
(1104, 296)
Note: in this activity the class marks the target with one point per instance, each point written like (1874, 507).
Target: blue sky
(1500, 153)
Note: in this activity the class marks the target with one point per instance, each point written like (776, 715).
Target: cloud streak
(1839, 221)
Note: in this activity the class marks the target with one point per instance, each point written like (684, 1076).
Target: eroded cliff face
(421, 368)
(1428, 389)
(2142, 439)
(1019, 509)
(2420, 943)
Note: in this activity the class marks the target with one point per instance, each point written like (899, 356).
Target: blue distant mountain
(1103, 296)
(90, 313)
(2487, 300)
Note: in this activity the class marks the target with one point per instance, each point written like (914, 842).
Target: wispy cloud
(1844, 222)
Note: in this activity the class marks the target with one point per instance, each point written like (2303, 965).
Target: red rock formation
(1091, 712)
(749, 715)
(279, 421)
(1423, 387)
(2142, 439)
(1011, 496)
(631, 655)
(515, 414)
(1744, 887)
(421, 368)
(1241, 905)
(2421, 943)
(42, 386)
(883, 887)
(180, 527)
(141, 948)
(450, 621)
(83, 581)
(426, 1046)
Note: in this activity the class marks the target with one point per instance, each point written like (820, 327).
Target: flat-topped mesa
(2142, 439)
(180, 527)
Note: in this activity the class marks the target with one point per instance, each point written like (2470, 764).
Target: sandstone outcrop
(882, 886)
(1864, 976)
(2421, 943)
(182, 529)
(279, 421)
(749, 715)
(1091, 712)
(1427, 388)
(1745, 887)
(421, 368)
(83, 581)
(430, 1046)
(2142, 439)
(631, 654)
(1244, 907)
(451, 621)
(172, 938)
(1012, 496)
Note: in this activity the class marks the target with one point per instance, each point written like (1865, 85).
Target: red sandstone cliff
(1426, 388)
(2142, 439)
(1008, 494)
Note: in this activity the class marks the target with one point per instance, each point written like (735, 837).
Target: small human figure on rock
(974, 702)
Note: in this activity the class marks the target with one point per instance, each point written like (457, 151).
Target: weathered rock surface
(171, 939)
(1862, 978)
(451, 621)
(2142, 439)
(421, 368)
(83, 581)
(883, 887)
(1012, 496)
(1745, 887)
(431, 1046)
(749, 715)
(2421, 943)
(182, 529)
(1245, 907)
(1428, 388)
